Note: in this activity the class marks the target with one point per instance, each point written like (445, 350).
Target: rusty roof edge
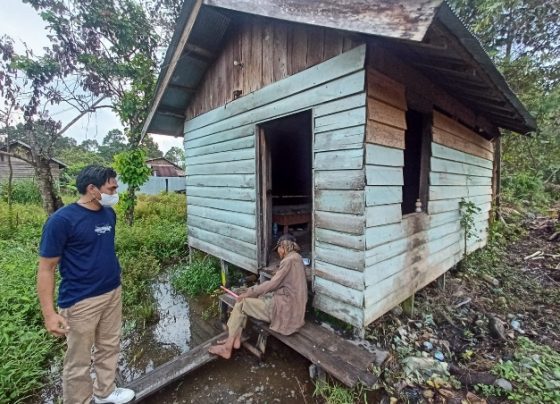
(25, 145)
(471, 43)
(188, 14)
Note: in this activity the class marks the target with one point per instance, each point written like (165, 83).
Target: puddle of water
(281, 377)
(174, 327)
(171, 336)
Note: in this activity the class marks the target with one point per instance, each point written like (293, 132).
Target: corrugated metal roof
(165, 171)
(461, 66)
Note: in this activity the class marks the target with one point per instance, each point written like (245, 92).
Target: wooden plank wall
(265, 51)
(403, 254)
(221, 153)
(22, 170)
(339, 181)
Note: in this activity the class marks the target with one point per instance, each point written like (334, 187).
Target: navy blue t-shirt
(84, 240)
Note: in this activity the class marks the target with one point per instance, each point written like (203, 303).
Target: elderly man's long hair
(288, 243)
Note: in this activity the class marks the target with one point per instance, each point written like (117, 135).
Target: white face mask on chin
(109, 200)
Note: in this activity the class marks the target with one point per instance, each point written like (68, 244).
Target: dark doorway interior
(286, 181)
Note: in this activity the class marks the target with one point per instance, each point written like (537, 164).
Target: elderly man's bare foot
(220, 350)
(236, 342)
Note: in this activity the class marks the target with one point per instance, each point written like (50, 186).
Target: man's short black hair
(94, 174)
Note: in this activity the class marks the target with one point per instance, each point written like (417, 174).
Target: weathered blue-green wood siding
(403, 254)
(221, 164)
(339, 193)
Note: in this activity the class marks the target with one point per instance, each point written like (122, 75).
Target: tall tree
(114, 43)
(113, 143)
(523, 39)
(176, 155)
(31, 85)
(151, 148)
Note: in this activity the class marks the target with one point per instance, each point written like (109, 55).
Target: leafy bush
(526, 188)
(23, 191)
(202, 276)
(138, 271)
(25, 345)
(160, 228)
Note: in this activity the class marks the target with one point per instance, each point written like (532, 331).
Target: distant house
(22, 170)
(166, 177)
(161, 167)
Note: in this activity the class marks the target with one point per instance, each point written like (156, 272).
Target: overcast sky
(21, 22)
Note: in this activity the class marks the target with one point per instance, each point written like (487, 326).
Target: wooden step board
(173, 370)
(345, 361)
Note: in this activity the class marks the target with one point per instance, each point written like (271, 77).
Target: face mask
(109, 200)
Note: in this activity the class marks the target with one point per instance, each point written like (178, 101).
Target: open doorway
(285, 147)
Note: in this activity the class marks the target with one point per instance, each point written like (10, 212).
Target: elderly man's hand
(241, 297)
(56, 325)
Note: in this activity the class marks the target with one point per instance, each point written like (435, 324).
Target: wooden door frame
(264, 211)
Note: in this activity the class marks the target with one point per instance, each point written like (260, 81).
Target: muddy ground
(469, 322)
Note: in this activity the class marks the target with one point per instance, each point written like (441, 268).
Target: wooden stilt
(441, 281)
(408, 306)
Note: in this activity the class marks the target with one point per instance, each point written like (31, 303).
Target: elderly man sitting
(280, 301)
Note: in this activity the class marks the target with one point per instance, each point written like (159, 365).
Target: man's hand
(56, 325)
(241, 297)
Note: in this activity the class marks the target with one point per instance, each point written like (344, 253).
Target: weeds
(157, 238)
(25, 345)
(336, 394)
(201, 276)
(23, 191)
(535, 372)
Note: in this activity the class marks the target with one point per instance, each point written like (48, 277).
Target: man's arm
(270, 285)
(54, 322)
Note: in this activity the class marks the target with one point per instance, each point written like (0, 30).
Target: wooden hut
(360, 125)
(21, 169)
(162, 167)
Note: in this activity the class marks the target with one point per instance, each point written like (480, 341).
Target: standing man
(80, 240)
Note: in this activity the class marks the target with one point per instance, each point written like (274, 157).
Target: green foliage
(25, 345)
(157, 238)
(523, 39)
(133, 171)
(176, 155)
(23, 191)
(139, 269)
(336, 394)
(468, 210)
(525, 189)
(534, 372)
(161, 237)
(202, 276)
(132, 168)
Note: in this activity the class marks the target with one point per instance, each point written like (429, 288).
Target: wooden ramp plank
(173, 370)
(348, 363)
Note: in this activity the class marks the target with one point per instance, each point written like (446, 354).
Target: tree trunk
(131, 199)
(10, 190)
(51, 200)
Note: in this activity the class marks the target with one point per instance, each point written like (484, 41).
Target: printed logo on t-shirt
(103, 229)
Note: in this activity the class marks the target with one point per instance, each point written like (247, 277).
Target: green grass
(157, 239)
(201, 276)
(534, 372)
